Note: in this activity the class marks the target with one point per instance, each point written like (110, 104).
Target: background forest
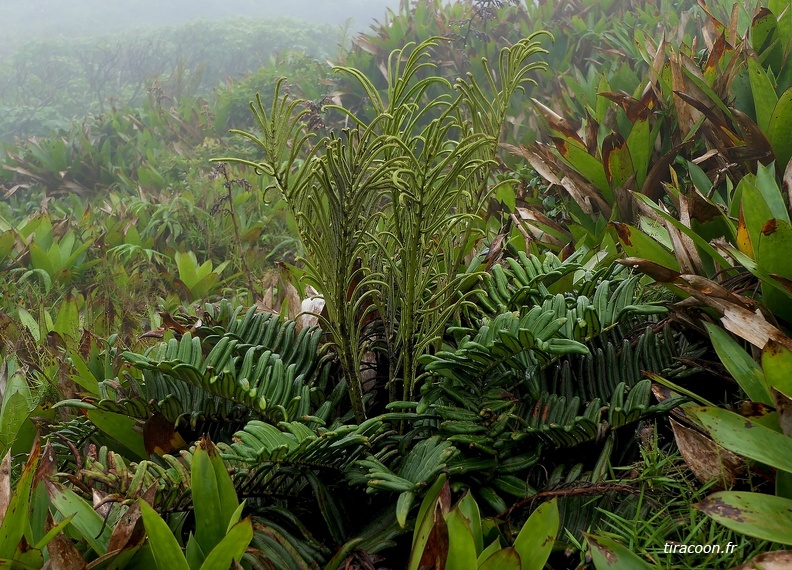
(489, 285)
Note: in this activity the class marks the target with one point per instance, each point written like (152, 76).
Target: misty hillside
(24, 21)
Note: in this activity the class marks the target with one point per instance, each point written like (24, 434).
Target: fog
(25, 20)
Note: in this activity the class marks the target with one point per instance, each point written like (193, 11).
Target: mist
(26, 20)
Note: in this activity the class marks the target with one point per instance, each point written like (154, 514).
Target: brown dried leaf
(706, 459)
(786, 183)
(658, 272)
(62, 552)
(757, 146)
(784, 407)
(129, 531)
(47, 466)
(659, 173)
(736, 318)
(777, 560)
(5, 485)
(160, 435)
(558, 123)
(540, 161)
(635, 109)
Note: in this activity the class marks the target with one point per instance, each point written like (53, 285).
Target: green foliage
(459, 538)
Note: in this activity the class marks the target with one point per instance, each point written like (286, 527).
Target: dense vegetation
(507, 288)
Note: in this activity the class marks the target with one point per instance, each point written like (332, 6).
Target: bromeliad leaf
(755, 514)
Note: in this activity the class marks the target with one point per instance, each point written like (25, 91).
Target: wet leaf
(503, 559)
(778, 560)
(764, 95)
(461, 546)
(756, 514)
(743, 237)
(86, 520)
(777, 366)
(747, 438)
(705, 458)
(659, 273)
(616, 160)
(231, 548)
(160, 436)
(166, 550)
(608, 554)
(537, 536)
(576, 156)
(779, 128)
(740, 365)
(62, 552)
(772, 257)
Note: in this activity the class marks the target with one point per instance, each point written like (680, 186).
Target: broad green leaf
(740, 365)
(461, 546)
(30, 323)
(764, 95)
(746, 438)
(187, 264)
(636, 243)
(15, 519)
(777, 366)
(121, 429)
(164, 546)
(68, 320)
(765, 39)
(773, 258)
(425, 520)
(768, 186)
(468, 507)
(640, 145)
(493, 547)
(592, 170)
(700, 242)
(87, 521)
(210, 528)
(232, 547)
(504, 194)
(193, 553)
(229, 504)
(754, 209)
(39, 259)
(537, 536)
(756, 514)
(84, 376)
(616, 160)
(7, 241)
(503, 559)
(17, 405)
(608, 554)
(780, 127)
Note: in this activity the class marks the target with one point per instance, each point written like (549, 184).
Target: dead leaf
(777, 560)
(129, 530)
(558, 123)
(635, 109)
(160, 435)
(62, 552)
(5, 485)
(659, 273)
(784, 407)
(659, 173)
(706, 459)
(786, 183)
